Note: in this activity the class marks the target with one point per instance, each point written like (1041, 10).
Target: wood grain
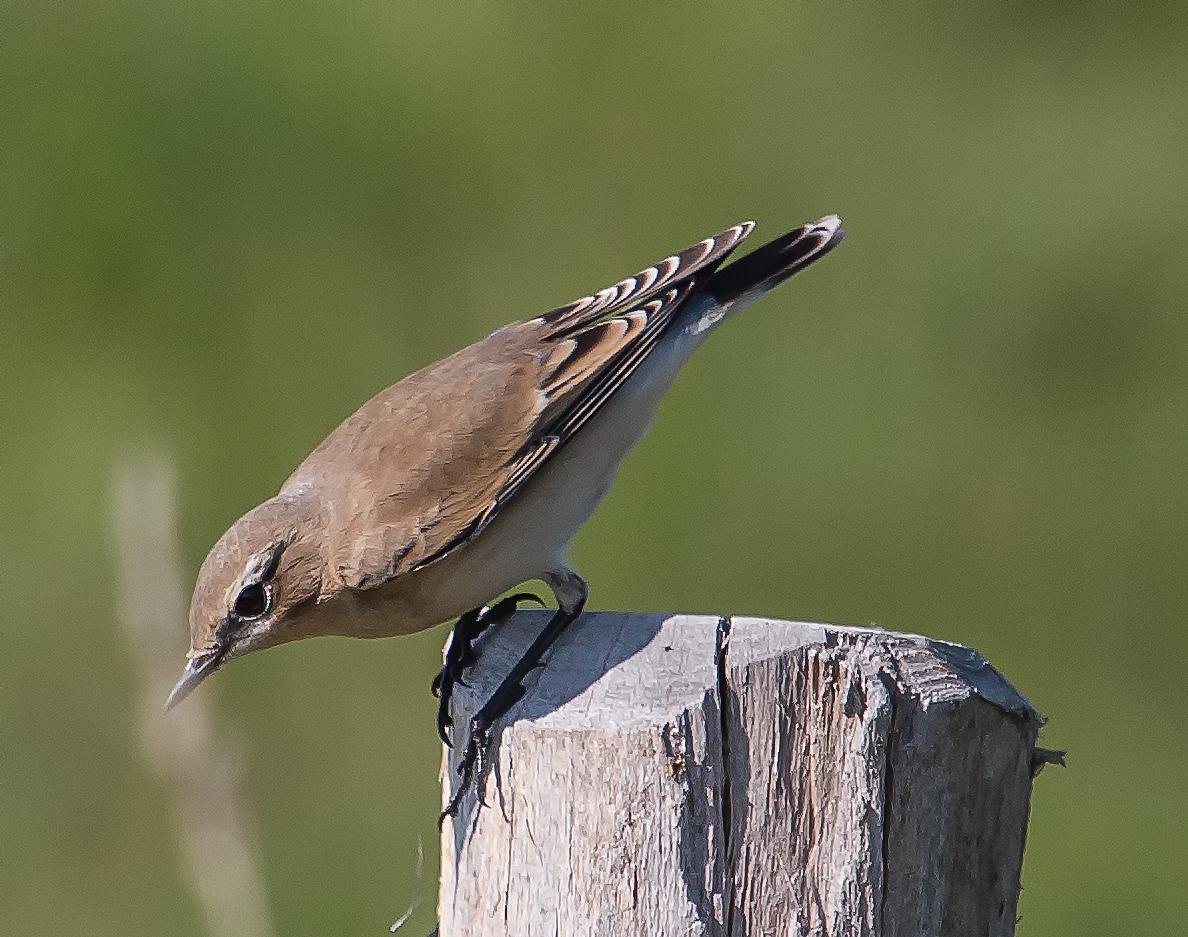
(693, 775)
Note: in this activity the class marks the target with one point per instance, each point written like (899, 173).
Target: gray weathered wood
(689, 775)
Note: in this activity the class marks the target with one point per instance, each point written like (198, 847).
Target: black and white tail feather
(593, 345)
(599, 351)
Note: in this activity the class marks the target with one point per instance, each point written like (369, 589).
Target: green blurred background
(224, 225)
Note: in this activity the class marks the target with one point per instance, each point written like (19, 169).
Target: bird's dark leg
(460, 653)
(571, 591)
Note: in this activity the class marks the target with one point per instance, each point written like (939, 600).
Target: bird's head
(252, 589)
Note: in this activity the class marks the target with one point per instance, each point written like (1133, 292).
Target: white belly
(530, 534)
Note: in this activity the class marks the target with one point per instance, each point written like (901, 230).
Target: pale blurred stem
(190, 751)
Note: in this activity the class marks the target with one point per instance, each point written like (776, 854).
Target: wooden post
(692, 775)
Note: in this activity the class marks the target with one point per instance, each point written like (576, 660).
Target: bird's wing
(431, 460)
(581, 312)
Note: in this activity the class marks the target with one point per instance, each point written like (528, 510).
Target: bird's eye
(252, 601)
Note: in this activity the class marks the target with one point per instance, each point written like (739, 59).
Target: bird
(471, 476)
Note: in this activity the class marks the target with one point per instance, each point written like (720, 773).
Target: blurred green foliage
(224, 225)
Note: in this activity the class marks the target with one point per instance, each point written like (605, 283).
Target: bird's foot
(570, 590)
(460, 653)
(473, 762)
(472, 767)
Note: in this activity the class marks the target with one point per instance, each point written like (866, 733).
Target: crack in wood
(696, 775)
(721, 654)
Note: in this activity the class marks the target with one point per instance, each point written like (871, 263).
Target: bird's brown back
(405, 475)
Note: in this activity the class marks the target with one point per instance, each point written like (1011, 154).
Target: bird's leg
(571, 591)
(460, 653)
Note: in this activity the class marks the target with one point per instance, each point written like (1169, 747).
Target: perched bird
(461, 481)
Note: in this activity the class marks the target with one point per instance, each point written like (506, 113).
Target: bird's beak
(197, 669)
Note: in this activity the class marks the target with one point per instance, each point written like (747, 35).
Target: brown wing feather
(585, 352)
(434, 456)
(420, 464)
(650, 280)
(601, 382)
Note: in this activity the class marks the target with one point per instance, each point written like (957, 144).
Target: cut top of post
(701, 775)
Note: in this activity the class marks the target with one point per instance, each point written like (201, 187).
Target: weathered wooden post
(690, 775)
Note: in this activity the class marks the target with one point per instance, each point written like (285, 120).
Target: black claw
(473, 763)
(443, 724)
(465, 773)
(444, 686)
(472, 766)
(460, 654)
(523, 597)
